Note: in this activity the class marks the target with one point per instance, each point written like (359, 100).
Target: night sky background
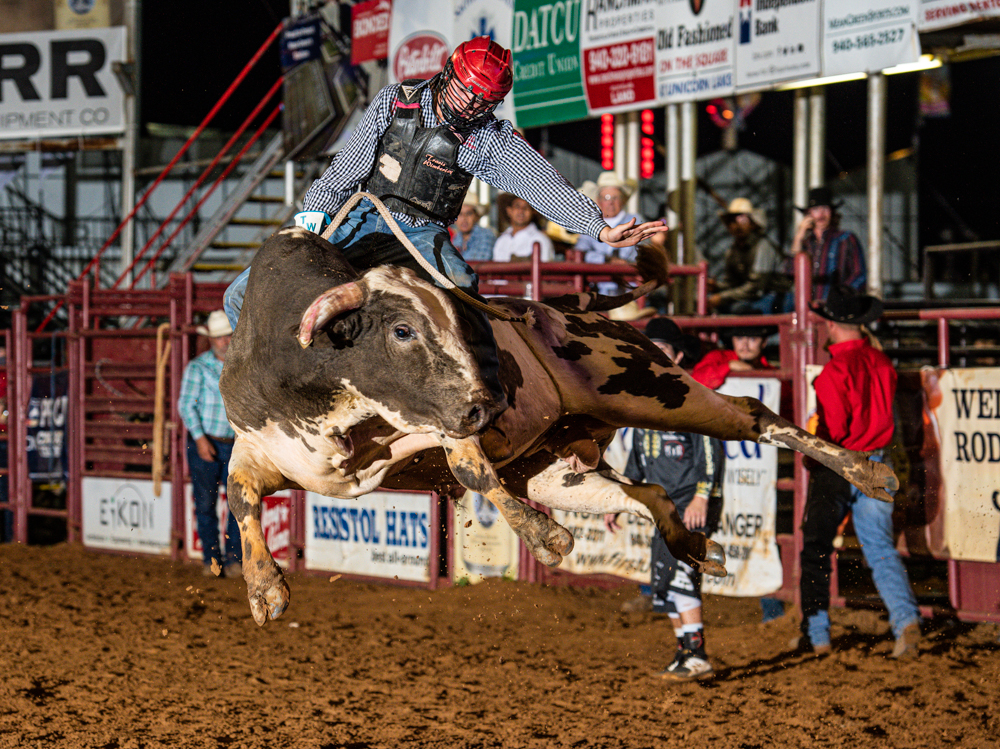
(192, 52)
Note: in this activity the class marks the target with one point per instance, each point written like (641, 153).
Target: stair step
(265, 199)
(235, 245)
(255, 222)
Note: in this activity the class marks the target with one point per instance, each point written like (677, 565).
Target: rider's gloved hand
(314, 221)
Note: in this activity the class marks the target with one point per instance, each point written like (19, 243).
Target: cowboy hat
(216, 326)
(664, 330)
(589, 189)
(846, 306)
(631, 311)
(740, 206)
(821, 196)
(473, 201)
(559, 233)
(748, 331)
(610, 179)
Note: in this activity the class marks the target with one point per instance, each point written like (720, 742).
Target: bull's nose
(478, 417)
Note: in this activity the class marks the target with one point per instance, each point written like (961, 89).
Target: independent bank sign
(61, 83)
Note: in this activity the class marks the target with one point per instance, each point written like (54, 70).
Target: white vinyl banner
(749, 499)
(483, 544)
(625, 553)
(382, 534)
(778, 42)
(123, 515)
(940, 14)
(869, 35)
(695, 50)
(618, 51)
(60, 83)
(967, 411)
(420, 39)
(492, 18)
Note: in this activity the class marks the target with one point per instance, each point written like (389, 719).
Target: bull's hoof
(714, 563)
(547, 541)
(874, 479)
(268, 600)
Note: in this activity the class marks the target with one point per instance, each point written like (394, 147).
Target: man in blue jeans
(854, 395)
(209, 446)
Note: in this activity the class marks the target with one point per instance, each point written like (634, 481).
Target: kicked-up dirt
(111, 652)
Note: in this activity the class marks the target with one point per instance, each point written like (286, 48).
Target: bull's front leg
(547, 541)
(561, 488)
(251, 476)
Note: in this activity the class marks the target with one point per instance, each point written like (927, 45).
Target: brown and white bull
(341, 383)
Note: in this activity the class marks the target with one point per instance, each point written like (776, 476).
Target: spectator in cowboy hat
(473, 241)
(854, 406)
(837, 256)
(745, 352)
(210, 445)
(611, 195)
(755, 279)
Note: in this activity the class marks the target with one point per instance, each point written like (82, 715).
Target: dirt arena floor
(113, 652)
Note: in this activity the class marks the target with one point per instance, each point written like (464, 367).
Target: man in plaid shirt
(417, 148)
(209, 445)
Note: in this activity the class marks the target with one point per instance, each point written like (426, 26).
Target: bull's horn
(327, 306)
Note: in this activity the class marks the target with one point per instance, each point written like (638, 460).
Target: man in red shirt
(854, 395)
(747, 345)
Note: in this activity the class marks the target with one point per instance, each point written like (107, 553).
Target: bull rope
(441, 279)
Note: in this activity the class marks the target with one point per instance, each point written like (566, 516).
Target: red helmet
(482, 68)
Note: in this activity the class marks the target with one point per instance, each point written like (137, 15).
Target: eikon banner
(60, 83)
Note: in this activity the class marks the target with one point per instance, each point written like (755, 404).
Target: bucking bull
(341, 383)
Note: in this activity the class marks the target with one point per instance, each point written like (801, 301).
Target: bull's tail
(592, 302)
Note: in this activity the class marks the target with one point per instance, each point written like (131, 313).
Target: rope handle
(434, 273)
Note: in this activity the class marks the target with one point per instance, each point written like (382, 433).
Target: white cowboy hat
(216, 326)
(631, 311)
(589, 189)
(743, 205)
(473, 200)
(610, 179)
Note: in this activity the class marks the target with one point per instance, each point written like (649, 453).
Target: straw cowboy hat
(631, 311)
(559, 233)
(610, 179)
(589, 189)
(846, 306)
(216, 326)
(473, 200)
(744, 206)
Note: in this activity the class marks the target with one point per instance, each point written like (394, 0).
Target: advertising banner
(618, 49)
(420, 40)
(869, 35)
(695, 50)
(548, 81)
(596, 550)
(47, 409)
(965, 419)
(382, 534)
(275, 521)
(60, 83)
(123, 515)
(749, 504)
(370, 30)
(483, 544)
(778, 42)
(940, 14)
(492, 18)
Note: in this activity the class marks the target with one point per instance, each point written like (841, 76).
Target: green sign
(548, 82)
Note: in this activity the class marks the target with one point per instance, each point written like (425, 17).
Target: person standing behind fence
(837, 257)
(854, 396)
(518, 240)
(210, 445)
(473, 241)
(689, 468)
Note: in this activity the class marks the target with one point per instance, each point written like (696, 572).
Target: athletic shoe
(688, 666)
(906, 645)
(802, 645)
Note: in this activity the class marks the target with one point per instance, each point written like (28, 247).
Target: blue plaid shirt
(480, 245)
(494, 152)
(200, 404)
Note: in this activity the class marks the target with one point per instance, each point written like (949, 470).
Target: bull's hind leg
(547, 541)
(872, 478)
(251, 476)
(561, 488)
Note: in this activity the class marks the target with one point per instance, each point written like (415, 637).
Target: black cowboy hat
(846, 306)
(821, 196)
(664, 330)
(750, 331)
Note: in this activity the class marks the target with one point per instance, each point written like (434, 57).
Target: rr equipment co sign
(60, 83)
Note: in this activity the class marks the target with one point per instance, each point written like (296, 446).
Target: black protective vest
(416, 169)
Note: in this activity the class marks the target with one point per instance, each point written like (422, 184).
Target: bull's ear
(327, 306)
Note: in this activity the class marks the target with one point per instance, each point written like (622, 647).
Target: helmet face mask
(474, 81)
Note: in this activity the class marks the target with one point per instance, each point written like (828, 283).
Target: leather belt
(223, 440)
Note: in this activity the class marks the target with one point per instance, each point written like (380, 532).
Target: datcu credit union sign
(61, 84)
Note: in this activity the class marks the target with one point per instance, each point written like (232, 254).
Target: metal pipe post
(817, 136)
(876, 179)
(800, 151)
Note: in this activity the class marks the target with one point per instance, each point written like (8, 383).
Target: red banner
(370, 31)
(621, 74)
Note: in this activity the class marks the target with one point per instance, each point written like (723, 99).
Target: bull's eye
(403, 333)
